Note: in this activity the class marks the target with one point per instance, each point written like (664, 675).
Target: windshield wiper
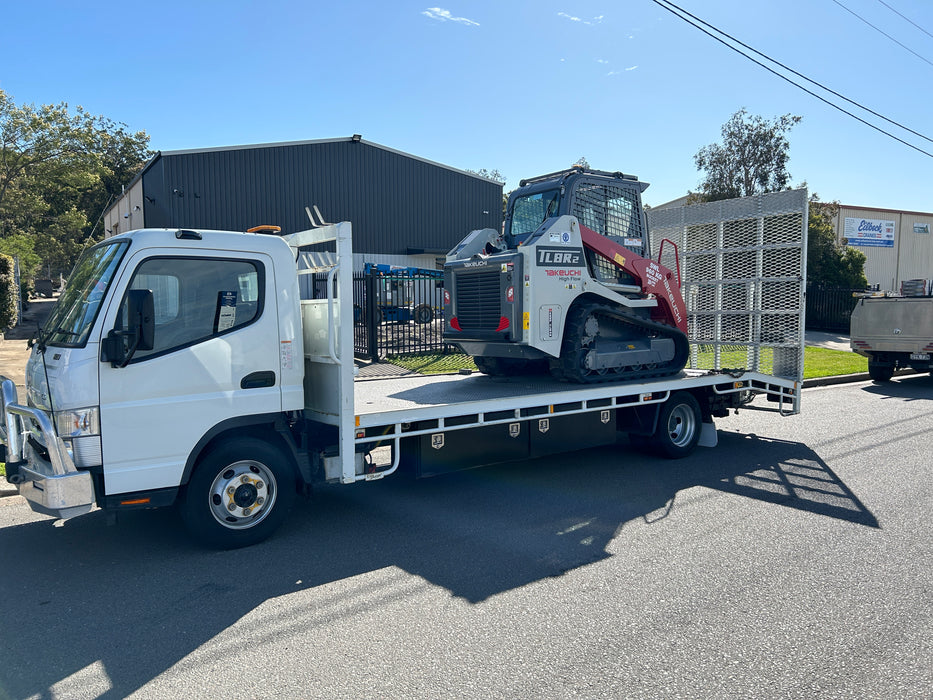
(43, 336)
(63, 331)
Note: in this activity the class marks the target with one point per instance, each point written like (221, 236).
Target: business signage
(869, 232)
(921, 228)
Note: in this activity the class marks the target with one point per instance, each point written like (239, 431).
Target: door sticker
(226, 311)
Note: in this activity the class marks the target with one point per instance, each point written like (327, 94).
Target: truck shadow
(911, 387)
(84, 603)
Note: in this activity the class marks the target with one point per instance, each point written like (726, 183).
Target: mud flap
(709, 437)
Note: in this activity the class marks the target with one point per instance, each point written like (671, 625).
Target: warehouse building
(405, 210)
(898, 245)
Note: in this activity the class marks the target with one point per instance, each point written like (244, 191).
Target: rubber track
(569, 367)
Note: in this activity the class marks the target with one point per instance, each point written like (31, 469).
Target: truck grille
(479, 300)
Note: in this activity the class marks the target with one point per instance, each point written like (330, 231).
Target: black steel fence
(403, 313)
(398, 313)
(829, 308)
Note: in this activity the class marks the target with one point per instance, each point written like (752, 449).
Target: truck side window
(198, 299)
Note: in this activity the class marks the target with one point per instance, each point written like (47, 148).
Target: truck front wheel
(239, 494)
(679, 424)
(880, 371)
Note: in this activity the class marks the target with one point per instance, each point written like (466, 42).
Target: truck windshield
(71, 320)
(530, 211)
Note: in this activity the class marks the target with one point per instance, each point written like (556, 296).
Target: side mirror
(121, 344)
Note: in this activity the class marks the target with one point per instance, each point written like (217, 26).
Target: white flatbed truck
(184, 367)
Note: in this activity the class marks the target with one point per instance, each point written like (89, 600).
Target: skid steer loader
(567, 286)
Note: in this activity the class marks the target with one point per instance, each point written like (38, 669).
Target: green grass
(817, 362)
(433, 364)
(823, 362)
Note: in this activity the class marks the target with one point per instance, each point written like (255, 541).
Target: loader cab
(607, 203)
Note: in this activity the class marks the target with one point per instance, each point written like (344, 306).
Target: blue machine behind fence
(404, 294)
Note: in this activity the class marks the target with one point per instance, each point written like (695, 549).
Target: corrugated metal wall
(911, 256)
(398, 204)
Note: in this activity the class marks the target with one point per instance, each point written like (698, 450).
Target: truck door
(214, 358)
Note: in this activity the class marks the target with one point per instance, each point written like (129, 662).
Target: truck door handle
(258, 380)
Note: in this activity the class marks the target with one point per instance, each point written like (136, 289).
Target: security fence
(397, 311)
(829, 308)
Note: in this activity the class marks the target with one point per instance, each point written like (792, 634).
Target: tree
(828, 263)
(752, 158)
(493, 174)
(58, 170)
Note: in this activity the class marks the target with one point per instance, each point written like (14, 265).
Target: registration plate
(919, 356)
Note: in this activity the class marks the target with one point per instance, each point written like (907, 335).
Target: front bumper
(51, 486)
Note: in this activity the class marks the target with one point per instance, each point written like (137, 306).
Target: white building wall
(910, 256)
(127, 213)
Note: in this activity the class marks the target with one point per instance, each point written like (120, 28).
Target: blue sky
(519, 86)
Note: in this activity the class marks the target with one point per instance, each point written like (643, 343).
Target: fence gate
(743, 263)
(398, 311)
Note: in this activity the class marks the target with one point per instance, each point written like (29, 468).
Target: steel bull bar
(51, 486)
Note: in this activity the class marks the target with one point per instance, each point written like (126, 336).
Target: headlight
(78, 422)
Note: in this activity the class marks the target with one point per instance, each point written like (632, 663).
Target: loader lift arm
(651, 276)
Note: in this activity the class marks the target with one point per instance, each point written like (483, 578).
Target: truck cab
(164, 345)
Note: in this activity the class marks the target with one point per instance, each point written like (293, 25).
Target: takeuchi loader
(568, 285)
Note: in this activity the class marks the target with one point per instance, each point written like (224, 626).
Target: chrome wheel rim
(242, 495)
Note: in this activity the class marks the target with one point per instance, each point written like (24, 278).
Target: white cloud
(572, 18)
(442, 15)
(602, 61)
(631, 68)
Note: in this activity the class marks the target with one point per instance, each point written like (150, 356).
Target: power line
(906, 18)
(801, 75)
(906, 48)
(676, 11)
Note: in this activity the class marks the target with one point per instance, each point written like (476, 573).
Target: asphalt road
(793, 561)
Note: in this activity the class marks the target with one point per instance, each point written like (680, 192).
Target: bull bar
(51, 486)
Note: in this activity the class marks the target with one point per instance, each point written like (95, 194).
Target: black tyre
(493, 366)
(509, 366)
(880, 371)
(423, 314)
(239, 494)
(679, 424)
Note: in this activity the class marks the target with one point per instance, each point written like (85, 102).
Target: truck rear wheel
(239, 494)
(880, 371)
(679, 424)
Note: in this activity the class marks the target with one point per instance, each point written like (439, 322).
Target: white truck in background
(189, 367)
(894, 331)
